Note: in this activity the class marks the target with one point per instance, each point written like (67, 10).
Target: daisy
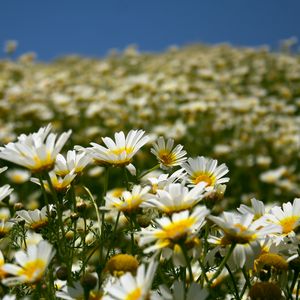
(245, 233)
(166, 155)
(5, 227)
(179, 227)
(119, 152)
(287, 217)
(128, 202)
(5, 191)
(60, 184)
(37, 151)
(34, 219)
(133, 287)
(176, 197)
(241, 228)
(202, 169)
(18, 176)
(31, 264)
(74, 161)
(257, 209)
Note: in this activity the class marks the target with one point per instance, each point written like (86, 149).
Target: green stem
(233, 282)
(223, 263)
(296, 274)
(148, 171)
(187, 260)
(113, 236)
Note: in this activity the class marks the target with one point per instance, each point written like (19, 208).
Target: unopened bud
(62, 273)
(88, 281)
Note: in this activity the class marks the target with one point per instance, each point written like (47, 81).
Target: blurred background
(91, 28)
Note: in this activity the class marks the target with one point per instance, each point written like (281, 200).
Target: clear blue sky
(57, 27)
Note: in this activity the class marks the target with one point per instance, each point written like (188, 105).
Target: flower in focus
(31, 264)
(128, 202)
(74, 161)
(119, 152)
(201, 169)
(34, 219)
(167, 155)
(287, 217)
(37, 151)
(133, 287)
(60, 184)
(180, 227)
(176, 197)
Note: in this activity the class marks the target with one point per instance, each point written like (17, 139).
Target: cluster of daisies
(238, 105)
(157, 234)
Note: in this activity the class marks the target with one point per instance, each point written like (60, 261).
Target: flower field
(151, 176)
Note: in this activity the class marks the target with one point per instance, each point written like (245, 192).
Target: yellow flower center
(134, 295)
(129, 204)
(33, 270)
(272, 260)
(119, 151)
(38, 224)
(166, 158)
(204, 177)
(121, 263)
(176, 230)
(288, 224)
(237, 237)
(117, 192)
(17, 178)
(42, 165)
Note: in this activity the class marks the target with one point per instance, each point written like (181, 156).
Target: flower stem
(223, 263)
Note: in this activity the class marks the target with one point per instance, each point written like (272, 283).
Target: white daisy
(181, 226)
(31, 264)
(287, 217)
(131, 287)
(37, 151)
(176, 197)
(34, 219)
(128, 202)
(119, 152)
(74, 161)
(166, 155)
(202, 169)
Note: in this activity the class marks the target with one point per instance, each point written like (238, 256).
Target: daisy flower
(287, 217)
(170, 231)
(5, 227)
(176, 197)
(34, 219)
(5, 191)
(18, 176)
(60, 184)
(257, 209)
(133, 287)
(245, 233)
(128, 202)
(31, 264)
(166, 155)
(74, 161)
(119, 152)
(202, 169)
(37, 151)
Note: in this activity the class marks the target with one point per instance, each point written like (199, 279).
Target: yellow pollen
(272, 260)
(204, 177)
(42, 165)
(119, 151)
(240, 226)
(17, 178)
(176, 229)
(33, 270)
(167, 158)
(134, 295)
(288, 224)
(117, 192)
(122, 263)
(39, 224)
(129, 204)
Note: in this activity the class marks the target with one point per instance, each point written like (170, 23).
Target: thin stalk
(295, 277)
(113, 236)
(148, 171)
(222, 264)
(233, 282)
(187, 260)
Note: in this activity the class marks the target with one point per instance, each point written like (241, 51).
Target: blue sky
(92, 27)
